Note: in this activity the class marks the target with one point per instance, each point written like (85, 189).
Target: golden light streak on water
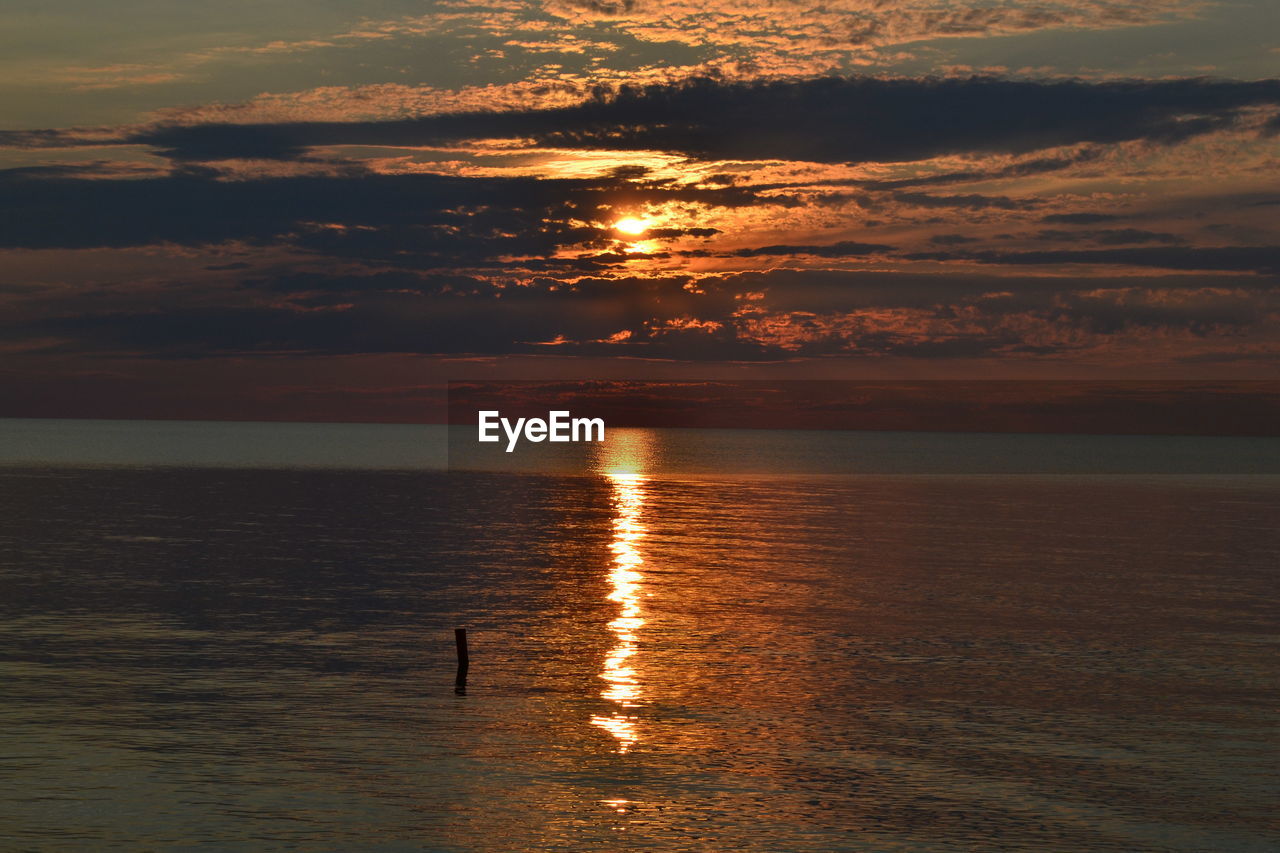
(622, 458)
(620, 806)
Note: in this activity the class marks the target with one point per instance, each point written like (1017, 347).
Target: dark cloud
(835, 291)
(1260, 259)
(354, 285)
(867, 119)
(768, 315)
(1111, 236)
(1037, 166)
(448, 265)
(1200, 313)
(1024, 168)
(971, 201)
(833, 119)
(427, 220)
(391, 313)
(1078, 218)
(843, 249)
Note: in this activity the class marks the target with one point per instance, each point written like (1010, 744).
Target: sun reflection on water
(622, 460)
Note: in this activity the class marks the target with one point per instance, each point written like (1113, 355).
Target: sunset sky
(326, 210)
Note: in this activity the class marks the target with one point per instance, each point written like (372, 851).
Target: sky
(326, 210)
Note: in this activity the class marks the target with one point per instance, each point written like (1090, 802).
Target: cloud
(829, 120)
(1259, 259)
(842, 249)
(746, 256)
(851, 120)
(839, 28)
(412, 217)
(1110, 236)
(1023, 169)
(971, 201)
(1079, 218)
(771, 315)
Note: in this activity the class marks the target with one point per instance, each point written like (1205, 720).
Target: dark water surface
(263, 660)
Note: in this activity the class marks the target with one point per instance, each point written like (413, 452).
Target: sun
(632, 226)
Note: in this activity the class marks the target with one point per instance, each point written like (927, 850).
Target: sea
(241, 637)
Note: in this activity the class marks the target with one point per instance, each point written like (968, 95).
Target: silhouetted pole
(460, 636)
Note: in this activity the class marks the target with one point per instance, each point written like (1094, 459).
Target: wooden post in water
(460, 637)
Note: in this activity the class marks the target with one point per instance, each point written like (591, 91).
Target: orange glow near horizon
(623, 459)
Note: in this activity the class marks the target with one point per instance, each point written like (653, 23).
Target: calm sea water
(241, 636)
